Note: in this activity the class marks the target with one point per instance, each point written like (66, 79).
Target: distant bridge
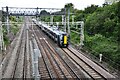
(18, 11)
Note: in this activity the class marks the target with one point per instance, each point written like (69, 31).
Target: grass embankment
(99, 44)
(14, 28)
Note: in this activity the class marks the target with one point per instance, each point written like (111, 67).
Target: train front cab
(62, 41)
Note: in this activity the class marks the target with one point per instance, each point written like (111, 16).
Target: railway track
(92, 71)
(15, 62)
(18, 72)
(13, 59)
(36, 56)
(51, 68)
(95, 72)
(6, 57)
(71, 70)
(27, 62)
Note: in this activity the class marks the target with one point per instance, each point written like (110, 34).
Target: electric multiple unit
(58, 36)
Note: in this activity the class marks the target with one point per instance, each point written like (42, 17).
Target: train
(60, 37)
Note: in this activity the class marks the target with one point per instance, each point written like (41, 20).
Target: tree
(44, 12)
(118, 14)
(69, 5)
(79, 15)
(90, 9)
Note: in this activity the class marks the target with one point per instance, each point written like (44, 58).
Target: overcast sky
(79, 4)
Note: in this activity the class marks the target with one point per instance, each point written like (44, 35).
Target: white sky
(79, 4)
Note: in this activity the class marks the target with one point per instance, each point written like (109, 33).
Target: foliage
(102, 33)
(104, 22)
(6, 40)
(75, 38)
(90, 9)
(44, 12)
(13, 28)
(102, 30)
(99, 44)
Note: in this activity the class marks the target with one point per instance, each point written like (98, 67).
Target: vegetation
(14, 28)
(75, 38)
(102, 30)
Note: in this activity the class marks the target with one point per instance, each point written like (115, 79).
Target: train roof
(58, 32)
(54, 29)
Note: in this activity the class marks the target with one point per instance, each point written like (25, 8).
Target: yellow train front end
(65, 41)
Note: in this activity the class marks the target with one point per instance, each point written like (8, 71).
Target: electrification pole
(8, 26)
(2, 46)
(68, 25)
(73, 19)
(68, 21)
(65, 20)
(62, 19)
(1, 37)
(57, 25)
(37, 14)
(51, 19)
(81, 34)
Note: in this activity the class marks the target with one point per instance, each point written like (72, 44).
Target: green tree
(118, 14)
(69, 5)
(90, 9)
